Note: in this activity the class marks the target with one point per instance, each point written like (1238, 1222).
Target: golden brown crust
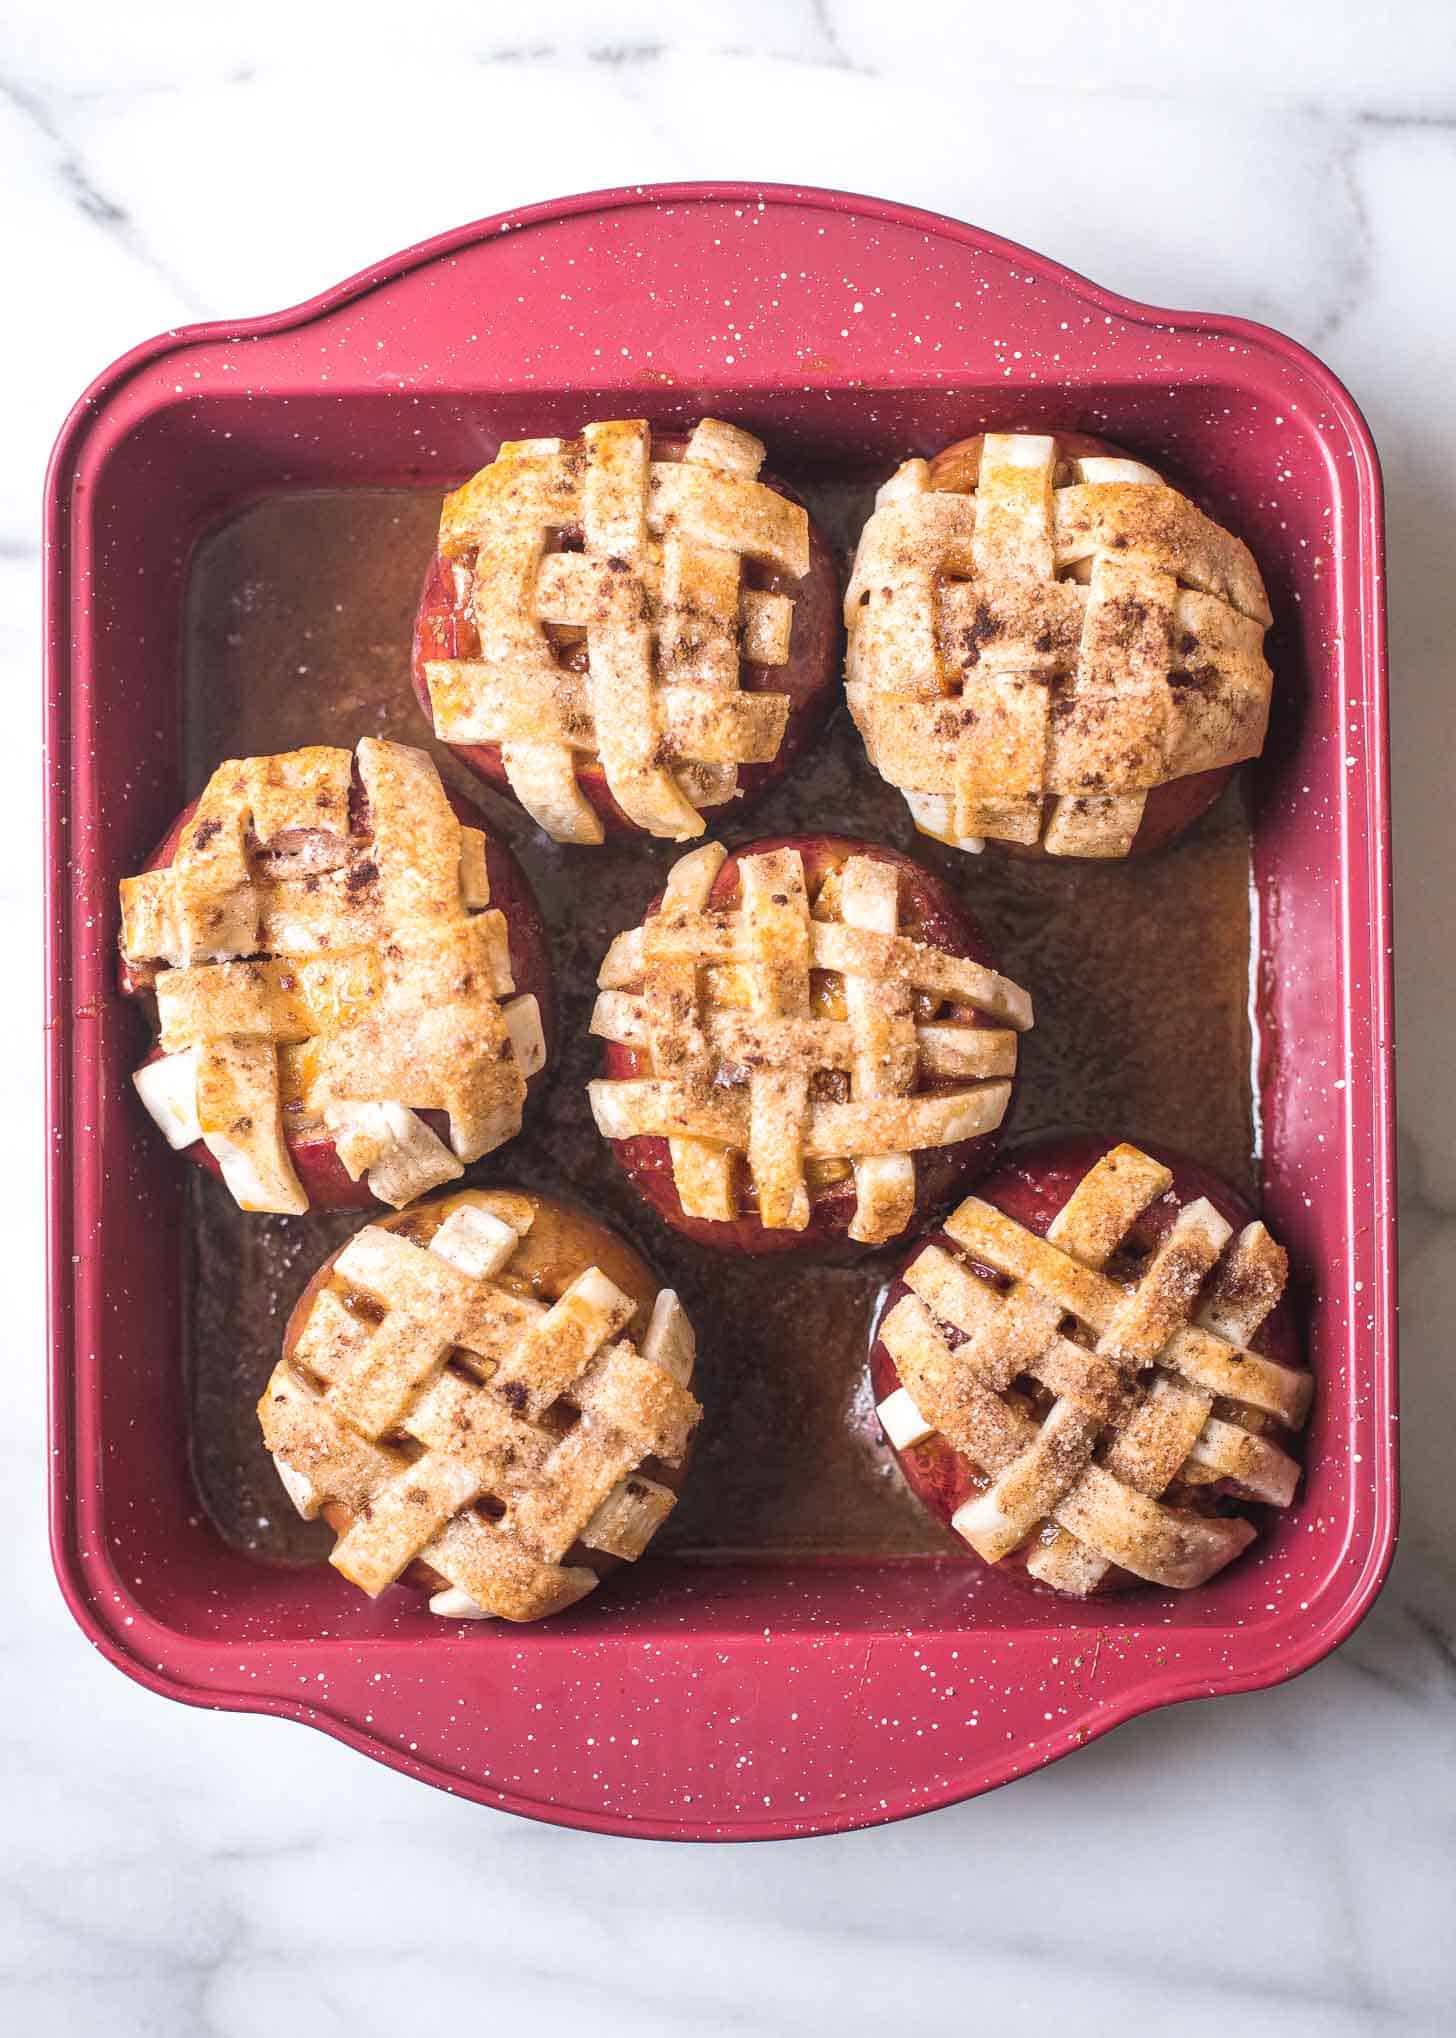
(653, 587)
(476, 1389)
(1143, 1379)
(1031, 655)
(310, 971)
(748, 1070)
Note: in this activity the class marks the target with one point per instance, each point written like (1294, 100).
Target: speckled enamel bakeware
(695, 1702)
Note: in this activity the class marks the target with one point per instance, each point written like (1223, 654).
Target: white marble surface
(1280, 1863)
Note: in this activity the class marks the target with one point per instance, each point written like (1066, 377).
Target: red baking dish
(761, 1700)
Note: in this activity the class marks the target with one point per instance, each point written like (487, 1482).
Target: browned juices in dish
(299, 632)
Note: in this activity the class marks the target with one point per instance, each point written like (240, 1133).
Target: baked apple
(628, 630)
(347, 976)
(486, 1397)
(807, 1047)
(1092, 1373)
(1053, 650)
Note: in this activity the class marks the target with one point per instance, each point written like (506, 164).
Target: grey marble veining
(1281, 1863)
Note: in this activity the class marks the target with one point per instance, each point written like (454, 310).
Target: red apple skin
(321, 1174)
(445, 628)
(932, 911)
(1171, 809)
(590, 1242)
(1032, 1187)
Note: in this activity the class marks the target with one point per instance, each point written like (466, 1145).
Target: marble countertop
(1280, 1863)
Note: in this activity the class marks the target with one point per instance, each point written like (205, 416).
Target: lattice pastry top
(1028, 660)
(459, 1421)
(790, 1032)
(1099, 1409)
(591, 542)
(322, 957)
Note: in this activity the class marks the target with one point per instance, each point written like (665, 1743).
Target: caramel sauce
(298, 632)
